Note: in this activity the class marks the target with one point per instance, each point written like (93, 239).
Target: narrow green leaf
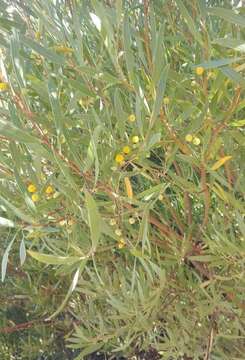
(70, 291)
(80, 86)
(55, 105)
(94, 219)
(12, 132)
(189, 21)
(6, 222)
(17, 60)
(228, 15)
(19, 213)
(92, 155)
(217, 63)
(144, 230)
(127, 47)
(46, 53)
(5, 259)
(53, 259)
(233, 75)
(236, 44)
(159, 95)
(158, 56)
(203, 258)
(66, 172)
(22, 252)
(89, 350)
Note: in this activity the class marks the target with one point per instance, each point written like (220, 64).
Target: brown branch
(223, 124)
(202, 269)
(183, 147)
(210, 344)
(164, 229)
(23, 326)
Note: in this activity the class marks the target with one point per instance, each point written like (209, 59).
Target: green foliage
(122, 234)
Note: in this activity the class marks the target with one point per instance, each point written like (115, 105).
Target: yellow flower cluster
(63, 50)
(38, 35)
(126, 149)
(166, 100)
(49, 190)
(4, 86)
(135, 139)
(131, 220)
(35, 197)
(199, 70)
(121, 243)
(132, 118)
(113, 222)
(193, 139)
(33, 190)
(120, 157)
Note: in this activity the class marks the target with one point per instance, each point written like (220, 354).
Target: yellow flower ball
(62, 222)
(160, 197)
(126, 150)
(71, 222)
(56, 194)
(4, 86)
(166, 100)
(131, 118)
(196, 141)
(38, 35)
(62, 139)
(121, 244)
(49, 190)
(199, 70)
(131, 220)
(113, 222)
(119, 158)
(32, 188)
(135, 139)
(118, 232)
(189, 138)
(35, 197)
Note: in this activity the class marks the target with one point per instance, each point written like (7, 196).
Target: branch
(23, 326)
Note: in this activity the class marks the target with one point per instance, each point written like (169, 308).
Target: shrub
(121, 179)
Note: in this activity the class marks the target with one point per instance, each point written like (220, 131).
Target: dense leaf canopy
(122, 179)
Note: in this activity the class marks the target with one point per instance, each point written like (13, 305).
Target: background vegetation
(121, 179)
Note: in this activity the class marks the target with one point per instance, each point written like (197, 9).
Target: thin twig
(223, 124)
(210, 344)
(23, 326)
(183, 147)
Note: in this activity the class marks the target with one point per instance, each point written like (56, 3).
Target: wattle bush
(121, 179)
